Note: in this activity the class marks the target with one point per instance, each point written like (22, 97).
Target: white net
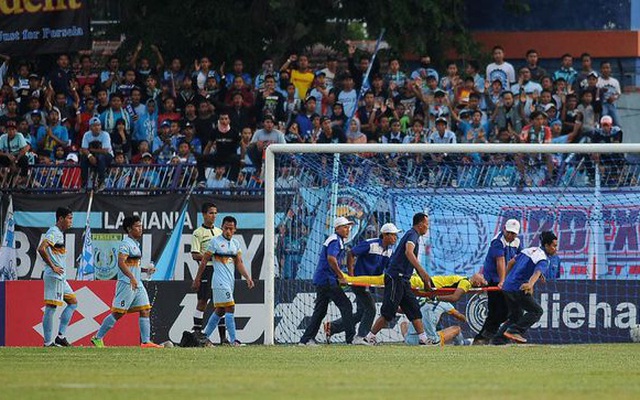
(591, 201)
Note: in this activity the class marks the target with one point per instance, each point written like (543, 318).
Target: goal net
(589, 195)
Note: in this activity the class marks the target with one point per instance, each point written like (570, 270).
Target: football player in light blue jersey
(131, 295)
(227, 257)
(56, 288)
(431, 313)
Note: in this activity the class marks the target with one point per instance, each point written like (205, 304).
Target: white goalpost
(562, 190)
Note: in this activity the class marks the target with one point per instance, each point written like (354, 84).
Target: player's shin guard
(47, 324)
(231, 326)
(211, 324)
(66, 317)
(198, 319)
(145, 329)
(107, 324)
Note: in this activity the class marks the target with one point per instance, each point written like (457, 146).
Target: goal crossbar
(454, 148)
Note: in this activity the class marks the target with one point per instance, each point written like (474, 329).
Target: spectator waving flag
(86, 268)
(365, 78)
(8, 269)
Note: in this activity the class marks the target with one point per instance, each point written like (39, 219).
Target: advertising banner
(25, 308)
(172, 309)
(40, 27)
(174, 303)
(598, 233)
(574, 312)
(3, 309)
(159, 214)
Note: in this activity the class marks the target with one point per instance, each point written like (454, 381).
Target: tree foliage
(224, 29)
(434, 27)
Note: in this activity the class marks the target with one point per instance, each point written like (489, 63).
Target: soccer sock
(458, 340)
(107, 324)
(211, 324)
(231, 326)
(67, 313)
(145, 329)
(47, 324)
(423, 337)
(198, 319)
(370, 336)
(222, 330)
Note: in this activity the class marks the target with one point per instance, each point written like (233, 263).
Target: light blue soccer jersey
(223, 252)
(431, 314)
(131, 249)
(56, 251)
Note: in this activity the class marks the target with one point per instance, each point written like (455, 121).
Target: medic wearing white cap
(327, 279)
(505, 246)
(369, 257)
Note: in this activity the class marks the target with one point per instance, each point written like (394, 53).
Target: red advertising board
(24, 309)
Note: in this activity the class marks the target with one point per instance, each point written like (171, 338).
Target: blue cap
(166, 122)
(95, 120)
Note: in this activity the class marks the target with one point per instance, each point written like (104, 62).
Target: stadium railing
(416, 172)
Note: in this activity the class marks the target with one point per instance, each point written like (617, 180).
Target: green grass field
(392, 371)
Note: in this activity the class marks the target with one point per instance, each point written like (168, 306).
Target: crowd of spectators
(150, 112)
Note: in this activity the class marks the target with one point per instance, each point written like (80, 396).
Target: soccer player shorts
(223, 296)
(56, 291)
(204, 292)
(397, 292)
(130, 300)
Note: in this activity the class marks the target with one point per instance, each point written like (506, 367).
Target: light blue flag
(8, 267)
(86, 270)
(166, 265)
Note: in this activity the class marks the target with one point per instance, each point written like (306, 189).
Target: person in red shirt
(169, 113)
(537, 131)
(71, 174)
(86, 76)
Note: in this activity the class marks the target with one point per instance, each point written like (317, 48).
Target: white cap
(72, 157)
(512, 225)
(389, 228)
(606, 120)
(340, 221)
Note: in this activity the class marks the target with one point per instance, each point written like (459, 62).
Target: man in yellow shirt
(435, 307)
(301, 77)
(462, 284)
(199, 241)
